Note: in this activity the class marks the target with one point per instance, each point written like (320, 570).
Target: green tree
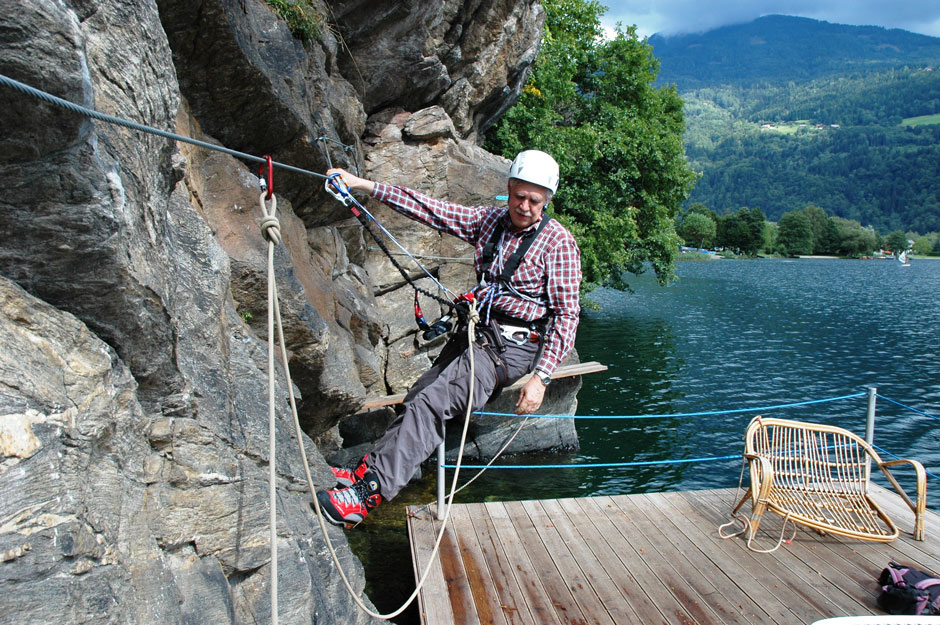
(853, 239)
(819, 223)
(896, 241)
(794, 234)
(730, 232)
(698, 229)
(591, 104)
(922, 245)
(753, 220)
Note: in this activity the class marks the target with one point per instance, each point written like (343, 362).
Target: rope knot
(271, 229)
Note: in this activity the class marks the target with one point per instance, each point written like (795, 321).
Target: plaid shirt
(550, 273)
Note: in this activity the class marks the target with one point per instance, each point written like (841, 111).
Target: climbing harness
(491, 287)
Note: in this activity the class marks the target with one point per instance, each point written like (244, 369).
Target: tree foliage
(794, 234)
(838, 143)
(896, 241)
(698, 229)
(591, 103)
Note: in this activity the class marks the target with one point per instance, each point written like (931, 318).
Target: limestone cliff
(133, 437)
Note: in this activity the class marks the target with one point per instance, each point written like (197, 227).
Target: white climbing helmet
(536, 167)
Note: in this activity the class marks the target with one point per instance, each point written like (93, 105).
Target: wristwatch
(544, 377)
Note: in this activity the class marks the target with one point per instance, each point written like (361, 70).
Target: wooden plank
(489, 609)
(511, 599)
(597, 576)
(543, 565)
(457, 581)
(726, 598)
(567, 371)
(757, 605)
(634, 567)
(568, 566)
(634, 592)
(433, 600)
(527, 576)
(637, 532)
(804, 569)
(783, 573)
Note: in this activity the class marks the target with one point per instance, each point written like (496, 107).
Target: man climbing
(529, 270)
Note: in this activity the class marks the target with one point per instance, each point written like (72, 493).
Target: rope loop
(270, 226)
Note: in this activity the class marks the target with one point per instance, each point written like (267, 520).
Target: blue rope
(594, 465)
(888, 453)
(677, 414)
(908, 407)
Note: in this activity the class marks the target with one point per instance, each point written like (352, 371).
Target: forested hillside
(841, 117)
(778, 49)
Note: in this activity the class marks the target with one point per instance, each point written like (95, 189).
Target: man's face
(526, 203)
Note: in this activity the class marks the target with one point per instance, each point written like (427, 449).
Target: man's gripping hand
(531, 396)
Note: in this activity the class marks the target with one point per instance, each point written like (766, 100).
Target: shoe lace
(350, 496)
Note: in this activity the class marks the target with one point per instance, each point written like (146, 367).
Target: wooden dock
(652, 558)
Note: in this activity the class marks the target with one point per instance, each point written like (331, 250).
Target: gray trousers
(438, 396)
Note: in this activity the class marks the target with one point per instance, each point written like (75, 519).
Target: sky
(670, 17)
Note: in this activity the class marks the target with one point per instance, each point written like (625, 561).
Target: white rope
(271, 231)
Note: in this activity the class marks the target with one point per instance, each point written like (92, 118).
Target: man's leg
(419, 429)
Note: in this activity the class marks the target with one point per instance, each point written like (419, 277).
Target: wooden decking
(654, 558)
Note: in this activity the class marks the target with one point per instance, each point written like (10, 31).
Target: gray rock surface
(133, 387)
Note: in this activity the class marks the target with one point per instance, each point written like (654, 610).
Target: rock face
(133, 389)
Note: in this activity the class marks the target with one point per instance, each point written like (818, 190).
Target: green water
(729, 335)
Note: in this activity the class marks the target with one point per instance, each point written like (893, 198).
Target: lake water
(729, 335)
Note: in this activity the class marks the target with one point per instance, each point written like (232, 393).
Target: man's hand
(355, 183)
(530, 397)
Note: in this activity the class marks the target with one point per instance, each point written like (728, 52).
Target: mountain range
(783, 112)
(777, 49)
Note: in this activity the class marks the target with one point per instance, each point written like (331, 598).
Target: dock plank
(479, 578)
(433, 601)
(511, 599)
(527, 576)
(651, 558)
(569, 567)
(552, 579)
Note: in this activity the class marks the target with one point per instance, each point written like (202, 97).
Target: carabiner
(266, 181)
(335, 186)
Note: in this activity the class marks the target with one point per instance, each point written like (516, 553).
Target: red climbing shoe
(349, 506)
(347, 476)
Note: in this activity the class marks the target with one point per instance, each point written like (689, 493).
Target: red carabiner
(267, 181)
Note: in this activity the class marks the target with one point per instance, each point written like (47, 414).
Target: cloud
(670, 17)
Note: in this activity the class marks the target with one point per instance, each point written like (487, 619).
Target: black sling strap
(512, 263)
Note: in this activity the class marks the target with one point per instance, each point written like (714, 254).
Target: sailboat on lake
(902, 258)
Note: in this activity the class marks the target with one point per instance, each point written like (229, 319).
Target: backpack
(906, 590)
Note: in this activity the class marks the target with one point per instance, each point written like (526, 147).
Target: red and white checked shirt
(550, 272)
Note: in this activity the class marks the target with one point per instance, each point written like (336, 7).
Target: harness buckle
(518, 334)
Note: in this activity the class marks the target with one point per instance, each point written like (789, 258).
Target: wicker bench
(817, 475)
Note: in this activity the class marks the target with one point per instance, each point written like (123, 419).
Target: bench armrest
(919, 506)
